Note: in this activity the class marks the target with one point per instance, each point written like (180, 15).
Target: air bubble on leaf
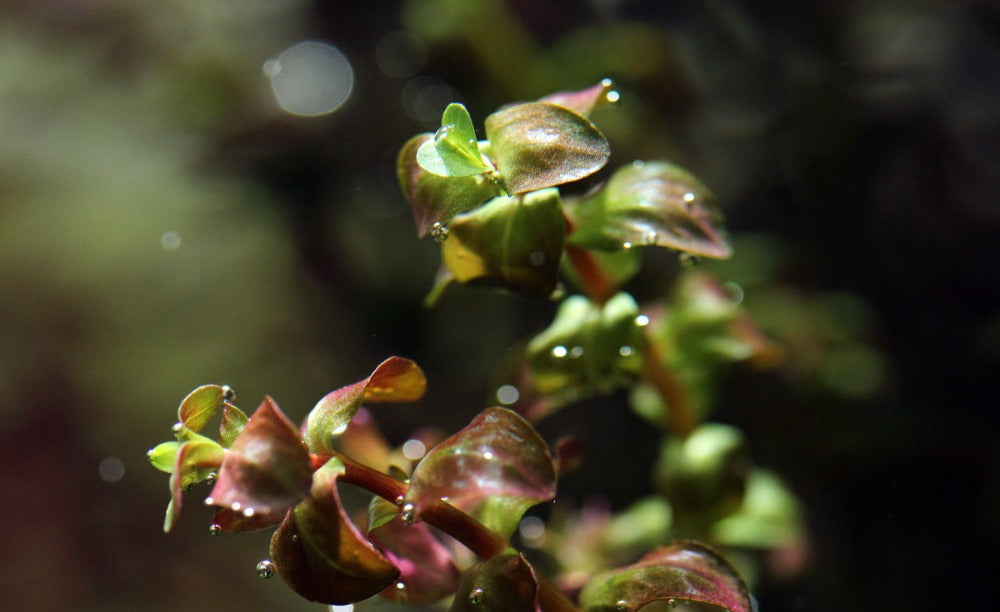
(414, 449)
(642, 320)
(559, 351)
(650, 237)
(441, 133)
(576, 352)
(476, 596)
(607, 82)
(214, 529)
(248, 512)
(508, 394)
(408, 514)
(621, 604)
(228, 393)
(612, 96)
(401, 590)
(488, 455)
(688, 197)
(688, 260)
(626, 245)
(439, 232)
(625, 351)
(211, 478)
(209, 501)
(178, 426)
(265, 569)
(399, 500)
(236, 506)
(671, 603)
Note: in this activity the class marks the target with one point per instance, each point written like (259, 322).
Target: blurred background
(187, 195)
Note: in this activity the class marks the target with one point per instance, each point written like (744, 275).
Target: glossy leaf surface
(426, 569)
(267, 469)
(686, 571)
(233, 422)
(505, 583)
(394, 380)
(164, 455)
(583, 102)
(433, 198)
(495, 468)
(537, 145)
(651, 204)
(513, 243)
(453, 150)
(587, 349)
(199, 406)
(193, 462)
(319, 552)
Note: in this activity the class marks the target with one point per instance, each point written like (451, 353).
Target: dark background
(853, 146)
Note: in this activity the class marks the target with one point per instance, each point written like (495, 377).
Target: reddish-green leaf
(505, 583)
(394, 380)
(426, 569)
(319, 552)
(233, 422)
(513, 243)
(647, 204)
(433, 198)
(686, 571)
(194, 461)
(267, 469)
(495, 468)
(538, 145)
(199, 406)
(226, 520)
(584, 102)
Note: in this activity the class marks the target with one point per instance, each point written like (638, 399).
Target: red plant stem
(681, 419)
(596, 283)
(474, 535)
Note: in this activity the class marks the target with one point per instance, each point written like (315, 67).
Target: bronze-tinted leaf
(538, 145)
(505, 583)
(194, 460)
(513, 243)
(232, 423)
(319, 552)
(426, 569)
(682, 572)
(433, 198)
(229, 521)
(267, 469)
(495, 468)
(651, 204)
(394, 380)
(199, 406)
(584, 102)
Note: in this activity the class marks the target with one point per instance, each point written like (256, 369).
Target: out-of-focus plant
(496, 209)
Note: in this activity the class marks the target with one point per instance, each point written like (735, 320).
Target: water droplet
(408, 514)
(508, 394)
(265, 569)
(650, 237)
(487, 455)
(248, 512)
(625, 351)
(476, 596)
(228, 393)
(626, 245)
(688, 260)
(236, 506)
(642, 320)
(439, 232)
(621, 604)
(559, 351)
(612, 96)
(442, 133)
(214, 529)
(576, 352)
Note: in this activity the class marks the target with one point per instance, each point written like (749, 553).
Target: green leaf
(645, 522)
(199, 406)
(453, 150)
(505, 583)
(233, 422)
(510, 242)
(321, 554)
(587, 349)
(164, 455)
(425, 566)
(433, 198)
(394, 380)
(584, 102)
(683, 572)
(647, 204)
(380, 512)
(768, 518)
(495, 468)
(538, 145)
(194, 461)
(267, 469)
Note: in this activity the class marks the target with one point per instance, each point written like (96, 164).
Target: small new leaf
(686, 571)
(453, 150)
(505, 583)
(199, 406)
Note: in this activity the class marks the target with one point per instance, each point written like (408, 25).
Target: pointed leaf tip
(200, 405)
(453, 150)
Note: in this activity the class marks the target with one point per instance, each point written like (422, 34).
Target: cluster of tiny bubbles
(508, 394)
(310, 78)
(111, 469)
(439, 231)
(214, 529)
(688, 260)
(641, 320)
(408, 514)
(559, 351)
(476, 596)
(734, 290)
(228, 393)
(625, 351)
(400, 54)
(265, 569)
(414, 449)
(532, 531)
(170, 240)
